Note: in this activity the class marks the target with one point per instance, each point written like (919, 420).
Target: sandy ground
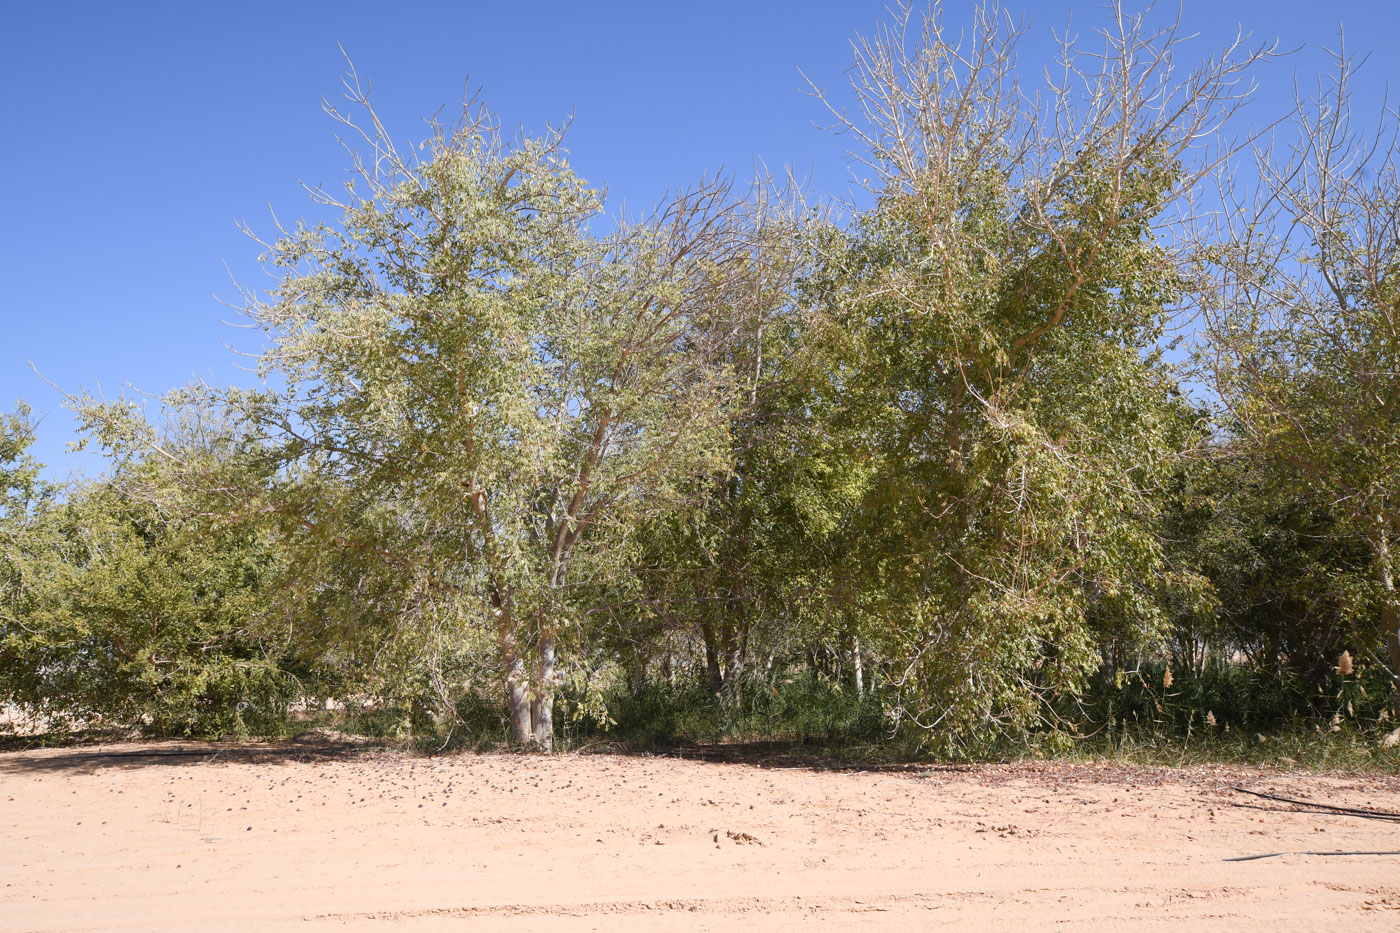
(308, 837)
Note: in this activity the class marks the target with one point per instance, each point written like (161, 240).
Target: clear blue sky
(136, 134)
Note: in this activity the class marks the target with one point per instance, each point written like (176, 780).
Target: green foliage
(489, 398)
(1234, 696)
(1288, 588)
(138, 614)
(1306, 345)
(994, 320)
(919, 481)
(24, 500)
(798, 708)
(1241, 714)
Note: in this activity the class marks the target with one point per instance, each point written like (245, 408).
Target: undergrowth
(1229, 715)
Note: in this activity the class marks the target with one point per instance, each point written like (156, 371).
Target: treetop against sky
(139, 135)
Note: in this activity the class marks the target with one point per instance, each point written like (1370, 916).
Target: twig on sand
(1250, 858)
(1328, 807)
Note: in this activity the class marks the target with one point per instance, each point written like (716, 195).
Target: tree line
(1100, 381)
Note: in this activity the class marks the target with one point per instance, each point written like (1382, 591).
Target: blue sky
(135, 136)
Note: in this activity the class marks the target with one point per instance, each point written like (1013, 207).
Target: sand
(307, 837)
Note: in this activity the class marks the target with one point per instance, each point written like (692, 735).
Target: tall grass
(798, 708)
(1228, 714)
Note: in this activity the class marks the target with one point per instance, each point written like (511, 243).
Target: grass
(798, 709)
(1232, 714)
(1225, 716)
(1304, 744)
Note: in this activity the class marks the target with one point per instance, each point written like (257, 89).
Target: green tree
(740, 576)
(24, 497)
(141, 606)
(996, 317)
(504, 392)
(1270, 575)
(1304, 329)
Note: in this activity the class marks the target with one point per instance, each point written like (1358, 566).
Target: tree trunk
(637, 664)
(543, 703)
(713, 674)
(859, 664)
(518, 701)
(1390, 621)
(517, 678)
(1390, 609)
(733, 669)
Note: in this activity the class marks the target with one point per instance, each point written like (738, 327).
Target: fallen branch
(1329, 807)
(1251, 858)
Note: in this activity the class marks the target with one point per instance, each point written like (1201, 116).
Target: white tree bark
(542, 703)
(1390, 609)
(859, 664)
(518, 702)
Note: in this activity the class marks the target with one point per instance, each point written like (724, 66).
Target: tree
(998, 313)
(507, 392)
(1304, 326)
(740, 574)
(1267, 573)
(23, 497)
(133, 604)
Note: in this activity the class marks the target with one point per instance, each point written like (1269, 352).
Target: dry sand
(306, 837)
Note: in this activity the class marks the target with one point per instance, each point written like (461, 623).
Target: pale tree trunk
(734, 669)
(517, 677)
(859, 664)
(542, 705)
(542, 702)
(1390, 621)
(530, 701)
(1390, 609)
(518, 701)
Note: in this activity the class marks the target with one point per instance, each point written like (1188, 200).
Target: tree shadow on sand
(86, 752)
(806, 756)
